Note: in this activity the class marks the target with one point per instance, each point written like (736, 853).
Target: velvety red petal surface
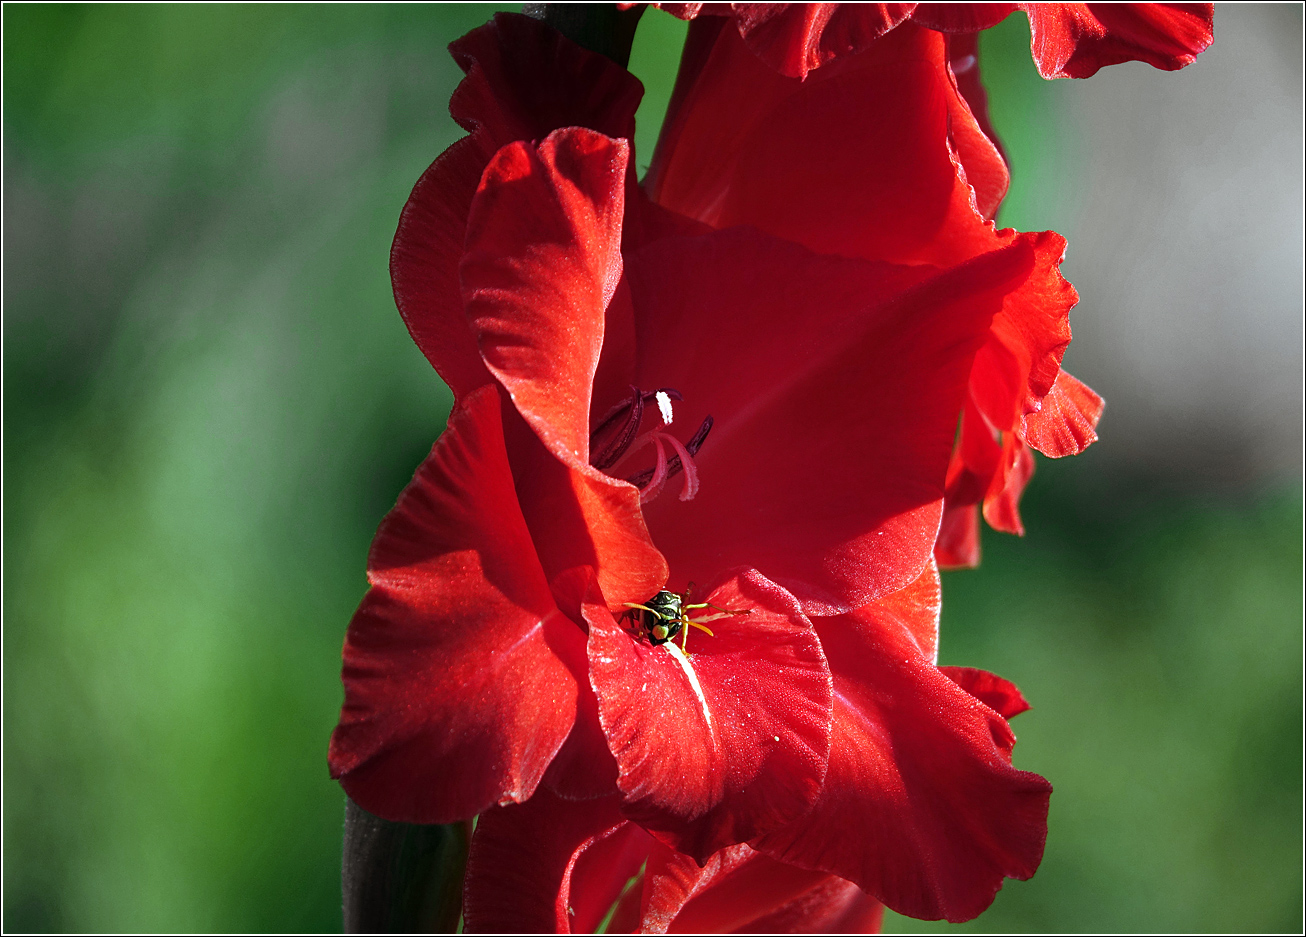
(794, 38)
(1074, 40)
(584, 767)
(961, 17)
(1066, 423)
(835, 386)
(921, 806)
(853, 161)
(542, 261)
(836, 906)
(917, 608)
(997, 694)
(717, 747)
(549, 865)
(524, 80)
(735, 888)
(456, 690)
(1020, 361)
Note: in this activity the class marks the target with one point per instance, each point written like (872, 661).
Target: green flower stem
(599, 27)
(401, 877)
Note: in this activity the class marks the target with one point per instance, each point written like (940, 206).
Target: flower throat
(619, 434)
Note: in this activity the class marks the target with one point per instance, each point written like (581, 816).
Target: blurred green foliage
(210, 402)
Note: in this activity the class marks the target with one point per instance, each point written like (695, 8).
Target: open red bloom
(1068, 40)
(644, 401)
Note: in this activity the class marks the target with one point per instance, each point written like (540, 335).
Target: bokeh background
(210, 402)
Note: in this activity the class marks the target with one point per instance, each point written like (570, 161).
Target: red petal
(854, 161)
(424, 266)
(794, 38)
(969, 128)
(549, 865)
(976, 458)
(826, 476)
(456, 693)
(543, 260)
(584, 767)
(1066, 423)
(1074, 40)
(1002, 505)
(997, 694)
(918, 607)
(958, 546)
(1019, 363)
(921, 806)
(836, 906)
(961, 17)
(735, 889)
(744, 751)
(523, 81)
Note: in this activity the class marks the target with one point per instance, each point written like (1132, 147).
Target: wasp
(666, 615)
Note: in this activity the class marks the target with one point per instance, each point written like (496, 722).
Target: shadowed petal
(1002, 503)
(740, 890)
(549, 865)
(456, 690)
(958, 546)
(961, 17)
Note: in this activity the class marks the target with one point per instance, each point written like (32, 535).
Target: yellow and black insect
(666, 615)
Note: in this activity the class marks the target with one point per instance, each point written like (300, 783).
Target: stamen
(632, 409)
(621, 441)
(687, 463)
(654, 487)
(675, 465)
(696, 441)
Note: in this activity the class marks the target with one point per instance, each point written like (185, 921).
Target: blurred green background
(210, 402)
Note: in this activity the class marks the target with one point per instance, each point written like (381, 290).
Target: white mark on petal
(688, 668)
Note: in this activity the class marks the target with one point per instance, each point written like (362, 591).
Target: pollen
(664, 405)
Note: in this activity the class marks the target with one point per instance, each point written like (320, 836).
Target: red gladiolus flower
(644, 401)
(1068, 40)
